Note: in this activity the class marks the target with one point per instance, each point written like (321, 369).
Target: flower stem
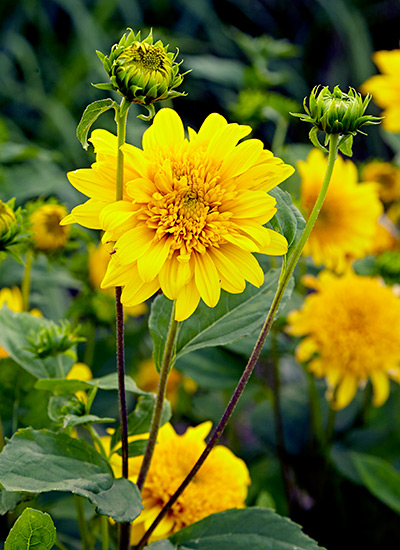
(121, 118)
(82, 525)
(159, 404)
(105, 544)
(26, 281)
(284, 279)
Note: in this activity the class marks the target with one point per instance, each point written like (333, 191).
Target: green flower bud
(54, 339)
(7, 220)
(336, 113)
(141, 71)
(388, 266)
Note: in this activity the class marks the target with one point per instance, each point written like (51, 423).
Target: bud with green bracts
(336, 113)
(141, 71)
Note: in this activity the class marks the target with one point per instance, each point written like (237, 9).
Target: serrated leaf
(39, 461)
(32, 530)
(250, 528)
(62, 386)
(234, 317)
(90, 115)
(380, 478)
(14, 338)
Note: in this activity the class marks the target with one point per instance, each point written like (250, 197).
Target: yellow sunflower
(387, 176)
(48, 234)
(193, 211)
(220, 484)
(385, 88)
(351, 328)
(347, 223)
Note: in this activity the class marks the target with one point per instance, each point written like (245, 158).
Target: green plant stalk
(82, 525)
(26, 281)
(105, 540)
(159, 404)
(284, 279)
(1, 436)
(279, 135)
(96, 439)
(121, 118)
(317, 430)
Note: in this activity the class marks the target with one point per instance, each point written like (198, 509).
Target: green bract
(336, 113)
(141, 71)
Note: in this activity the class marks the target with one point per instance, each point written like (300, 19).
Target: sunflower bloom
(220, 484)
(350, 327)
(347, 223)
(48, 234)
(385, 88)
(387, 176)
(192, 215)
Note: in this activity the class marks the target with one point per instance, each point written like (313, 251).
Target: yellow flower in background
(194, 215)
(386, 236)
(220, 484)
(351, 328)
(48, 234)
(387, 175)
(147, 379)
(347, 223)
(385, 88)
(99, 258)
(80, 371)
(12, 297)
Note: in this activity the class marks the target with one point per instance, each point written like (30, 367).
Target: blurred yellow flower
(351, 328)
(385, 88)
(99, 258)
(347, 223)
(220, 484)
(193, 215)
(147, 379)
(80, 371)
(387, 175)
(386, 236)
(48, 234)
(12, 297)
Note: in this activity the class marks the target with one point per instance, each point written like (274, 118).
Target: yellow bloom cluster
(193, 210)
(385, 88)
(351, 328)
(347, 223)
(220, 484)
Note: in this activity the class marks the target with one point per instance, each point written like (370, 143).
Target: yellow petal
(173, 276)
(345, 392)
(228, 270)
(246, 263)
(116, 274)
(86, 214)
(133, 244)
(187, 301)
(168, 129)
(241, 241)
(241, 158)
(222, 143)
(207, 280)
(135, 158)
(140, 189)
(116, 213)
(150, 264)
(136, 291)
(277, 246)
(104, 142)
(213, 124)
(93, 184)
(250, 204)
(381, 387)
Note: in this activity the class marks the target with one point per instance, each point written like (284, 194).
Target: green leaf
(9, 501)
(139, 419)
(250, 528)
(346, 144)
(32, 530)
(380, 478)
(61, 386)
(39, 461)
(161, 545)
(16, 329)
(135, 448)
(234, 317)
(90, 115)
(70, 411)
(288, 219)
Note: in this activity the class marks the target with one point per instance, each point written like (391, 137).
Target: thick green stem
(105, 542)
(159, 404)
(283, 282)
(317, 430)
(82, 525)
(26, 281)
(121, 118)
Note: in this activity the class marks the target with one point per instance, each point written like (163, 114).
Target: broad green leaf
(39, 461)
(288, 219)
(9, 501)
(139, 419)
(161, 545)
(234, 317)
(135, 448)
(16, 329)
(89, 116)
(121, 502)
(61, 386)
(250, 529)
(380, 478)
(32, 530)
(74, 420)
(70, 411)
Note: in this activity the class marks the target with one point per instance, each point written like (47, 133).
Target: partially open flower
(48, 234)
(7, 218)
(141, 71)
